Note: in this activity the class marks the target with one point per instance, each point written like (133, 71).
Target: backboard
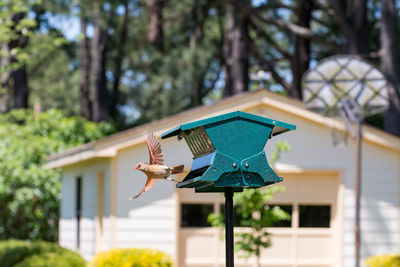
(339, 78)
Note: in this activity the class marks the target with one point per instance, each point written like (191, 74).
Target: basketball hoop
(349, 89)
(344, 77)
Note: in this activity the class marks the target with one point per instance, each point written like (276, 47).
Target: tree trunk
(5, 79)
(118, 61)
(358, 39)
(353, 24)
(195, 39)
(19, 75)
(21, 90)
(156, 33)
(301, 57)
(85, 104)
(236, 54)
(100, 93)
(389, 64)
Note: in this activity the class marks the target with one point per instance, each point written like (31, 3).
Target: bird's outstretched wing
(154, 147)
(149, 184)
(156, 158)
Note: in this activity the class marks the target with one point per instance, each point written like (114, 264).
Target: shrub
(131, 257)
(37, 254)
(387, 260)
(30, 193)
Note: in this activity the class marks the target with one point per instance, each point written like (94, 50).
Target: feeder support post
(229, 227)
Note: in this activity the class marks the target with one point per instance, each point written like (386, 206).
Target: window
(195, 215)
(236, 216)
(78, 209)
(284, 223)
(310, 216)
(315, 216)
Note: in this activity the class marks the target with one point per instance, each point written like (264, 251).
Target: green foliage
(280, 147)
(53, 83)
(29, 193)
(131, 257)
(8, 25)
(37, 254)
(387, 260)
(255, 214)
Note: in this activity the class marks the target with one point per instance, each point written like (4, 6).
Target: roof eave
(58, 161)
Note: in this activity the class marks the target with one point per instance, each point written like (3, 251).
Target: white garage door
(310, 239)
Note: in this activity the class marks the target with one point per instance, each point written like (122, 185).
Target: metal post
(229, 227)
(357, 189)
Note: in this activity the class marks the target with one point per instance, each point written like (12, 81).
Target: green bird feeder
(228, 156)
(228, 151)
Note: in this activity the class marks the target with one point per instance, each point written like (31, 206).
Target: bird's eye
(138, 165)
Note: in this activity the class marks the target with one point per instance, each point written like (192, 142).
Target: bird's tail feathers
(177, 169)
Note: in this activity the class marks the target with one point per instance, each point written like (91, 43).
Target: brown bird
(156, 169)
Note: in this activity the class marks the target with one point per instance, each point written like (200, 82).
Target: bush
(388, 260)
(30, 193)
(37, 254)
(131, 257)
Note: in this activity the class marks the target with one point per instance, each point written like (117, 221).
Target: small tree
(253, 212)
(30, 193)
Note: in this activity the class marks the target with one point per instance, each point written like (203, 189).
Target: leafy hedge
(29, 193)
(131, 257)
(387, 260)
(37, 254)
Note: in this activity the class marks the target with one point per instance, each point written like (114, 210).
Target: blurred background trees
(132, 61)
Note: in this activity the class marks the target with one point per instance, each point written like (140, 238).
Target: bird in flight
(156, 168)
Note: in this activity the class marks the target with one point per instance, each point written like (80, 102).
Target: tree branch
(206, 90)
(282, 25)
(320, 21)
(268, 38)
(327, 10)
(266, 64)
(275, 6)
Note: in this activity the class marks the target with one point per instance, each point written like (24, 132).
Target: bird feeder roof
(279, 126)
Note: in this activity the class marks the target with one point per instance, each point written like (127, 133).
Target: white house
(98, 179)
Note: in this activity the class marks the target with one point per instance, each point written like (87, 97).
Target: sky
(69, 26)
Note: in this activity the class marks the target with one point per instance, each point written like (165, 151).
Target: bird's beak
(136, 168)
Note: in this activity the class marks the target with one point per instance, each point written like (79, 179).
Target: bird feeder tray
(228, 151)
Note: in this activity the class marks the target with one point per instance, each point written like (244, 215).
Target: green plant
(16, 253)
(29, 193)
(131, 257)
(386, 260)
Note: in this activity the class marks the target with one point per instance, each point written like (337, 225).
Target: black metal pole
(357, 187)
(229, 227)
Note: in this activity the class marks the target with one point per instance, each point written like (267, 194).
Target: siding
(68, 231)
(67, 225)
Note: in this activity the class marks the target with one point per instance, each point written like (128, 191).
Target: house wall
(312, 148)
(152, 220)
(68, 222)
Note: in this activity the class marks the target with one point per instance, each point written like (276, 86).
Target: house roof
(278, 126)
(109, 146)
